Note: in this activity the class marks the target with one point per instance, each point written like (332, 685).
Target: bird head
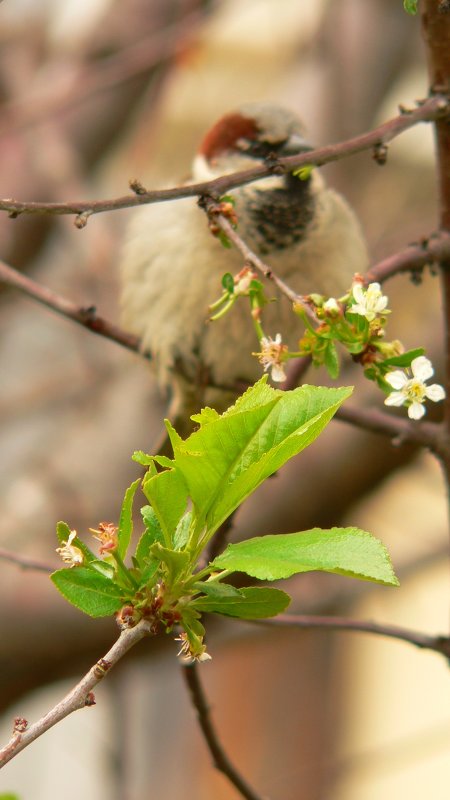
(249, 135)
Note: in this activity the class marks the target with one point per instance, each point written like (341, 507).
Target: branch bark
(436, 35)
(87, 317)
(438, 644)
(434, 108)
(79, 697)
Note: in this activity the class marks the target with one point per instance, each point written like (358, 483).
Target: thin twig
(79, 697)
(25, 563)
(220, 758)
(436, 107)
(87, 317)
(401, 431)
(439, 644)
(430, 251)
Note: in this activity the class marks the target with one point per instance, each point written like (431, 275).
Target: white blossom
(186, 654)
(69, 553)
(413, 391)
(369, 302)
(272, 356)
(331, 306)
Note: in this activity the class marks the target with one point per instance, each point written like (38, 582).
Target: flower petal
(395, 399)
(397, 379)
(278, 374)
(416, 411)
(422, 368)
(435, 392)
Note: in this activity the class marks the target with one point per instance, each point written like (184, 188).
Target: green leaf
(225, 460)
(253, 602)
(104, 568)
(142, 458)
(9, 796)
(206, 415)
(410, 6)
(126, 519)
(331, 360)
(167, 492)
(345, 551)
(303, 172)
(181, 534)
(228, 282)
(152, 534)
(403, 360)
(176, 561)
(89, 591)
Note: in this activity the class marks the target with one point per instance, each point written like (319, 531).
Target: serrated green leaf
(206, 415)
(224, 461)
(142, 458)
(403, 360)
(253, 602)
(167, 492)
(89, 591)
(345, 551)
(126, 519)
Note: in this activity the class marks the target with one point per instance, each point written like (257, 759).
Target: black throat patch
(278, 218)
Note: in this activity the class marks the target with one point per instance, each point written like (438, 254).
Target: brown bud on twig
(137, 187)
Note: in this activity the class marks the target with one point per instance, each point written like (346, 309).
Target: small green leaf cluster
(188, 497)
(410, 6)
(244, 284)
(360, 328)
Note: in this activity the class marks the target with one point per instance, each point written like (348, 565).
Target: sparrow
(171, 266)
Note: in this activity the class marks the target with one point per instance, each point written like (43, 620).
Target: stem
(220, 758)
(124, 572)
(80, 696)
(87, 317)
(439, 644)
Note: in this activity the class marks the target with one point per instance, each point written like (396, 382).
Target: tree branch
(434, 108)
(25, 563)
(220, 758)
(401, 431)
(413, 258)
(79, 697)
(87, 317)
(439, 644)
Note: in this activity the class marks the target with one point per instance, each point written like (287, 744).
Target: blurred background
(97, 92)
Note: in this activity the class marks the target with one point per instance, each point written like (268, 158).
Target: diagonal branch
(79, 697)
(87, 317)
(220, 758)
(434, 108)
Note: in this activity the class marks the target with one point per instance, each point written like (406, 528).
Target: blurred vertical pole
(436, 34)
